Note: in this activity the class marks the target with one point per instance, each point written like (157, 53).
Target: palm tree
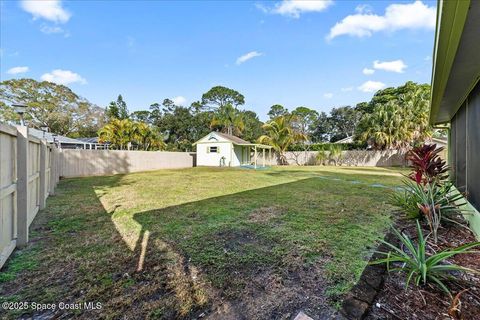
(229, 119)
(119, 133)
(148, 138)
(122, 133)
(417, 105)
(280, 135)
(398, 123)
(386, 126)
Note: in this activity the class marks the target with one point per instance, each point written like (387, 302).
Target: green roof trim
(451, 17)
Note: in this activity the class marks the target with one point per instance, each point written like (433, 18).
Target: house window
(212, 150)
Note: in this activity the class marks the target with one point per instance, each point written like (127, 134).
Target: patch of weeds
(157, 313)
(66, 225)
(106, 280)
(128, 283)
(22, 260)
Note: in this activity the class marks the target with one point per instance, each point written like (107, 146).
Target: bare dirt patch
(269, 291)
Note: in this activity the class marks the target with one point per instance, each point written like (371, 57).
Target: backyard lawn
(217, 243)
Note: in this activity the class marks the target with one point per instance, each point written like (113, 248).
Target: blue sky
(320, 54)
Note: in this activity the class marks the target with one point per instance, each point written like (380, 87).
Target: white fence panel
(27, 176)
(33, 178)
(8, 190)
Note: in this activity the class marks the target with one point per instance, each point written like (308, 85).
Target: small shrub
(418, 265)
(335, 153)
(435, 203)
(321, 157)
(427, 165)
(408, 203)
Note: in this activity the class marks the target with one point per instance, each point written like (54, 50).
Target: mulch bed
(394, 301)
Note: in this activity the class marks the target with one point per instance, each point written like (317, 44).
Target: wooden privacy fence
(28, 175)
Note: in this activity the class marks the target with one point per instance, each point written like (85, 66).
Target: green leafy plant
(405, 200)
(321, 157)
(421, 267)
(335, 153)
(423, 201)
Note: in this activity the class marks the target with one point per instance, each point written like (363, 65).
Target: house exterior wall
(464, 151)
(465, 147)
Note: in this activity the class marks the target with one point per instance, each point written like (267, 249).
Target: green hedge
(327, 146)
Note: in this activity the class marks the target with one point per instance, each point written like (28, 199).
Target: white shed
(220, 149)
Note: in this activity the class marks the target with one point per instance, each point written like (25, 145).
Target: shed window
(212, 150)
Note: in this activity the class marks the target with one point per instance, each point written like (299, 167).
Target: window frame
(209, 149)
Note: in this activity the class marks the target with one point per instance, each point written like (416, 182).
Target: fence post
(58, 164)
(22, 186)
(53, 170)
(43, 171)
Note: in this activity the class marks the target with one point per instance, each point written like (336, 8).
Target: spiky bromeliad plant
(427, 165)
(421, 267)
(433, 202)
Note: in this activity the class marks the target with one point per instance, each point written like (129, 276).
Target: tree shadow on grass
(260, 253)
(257, 254)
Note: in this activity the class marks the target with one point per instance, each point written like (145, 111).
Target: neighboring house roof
(89, 140)
(345, 140)
(456, 66)
(50, 137)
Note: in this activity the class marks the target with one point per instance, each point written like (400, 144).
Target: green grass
(176, 243)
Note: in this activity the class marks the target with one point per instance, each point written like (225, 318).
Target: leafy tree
(168, 105)
(389, 94)
(280, 135)
(117, 109)
(176, 126)
(277, 110)
(304, 119)
(229, 119)
(155, 112)
(141, 116)
(253, 126)
(200, 125)
(196, 106)
(50, 105)
(364, 107)
(344, 121)
(218, 97)
(181, 126)
(322, 128)
(90, 124)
